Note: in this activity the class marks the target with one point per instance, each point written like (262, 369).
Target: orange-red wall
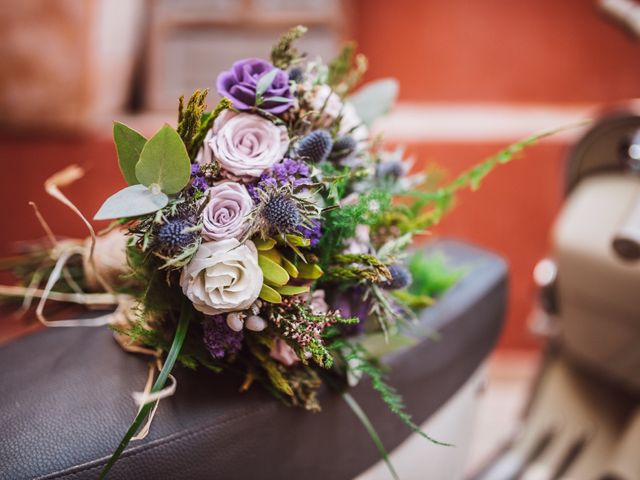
(498, 50)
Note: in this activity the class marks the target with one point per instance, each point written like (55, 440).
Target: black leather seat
(65, 401)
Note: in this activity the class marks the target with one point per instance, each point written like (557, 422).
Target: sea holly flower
(222, 277)
(225, 215)
(254, 83)
(245, 145)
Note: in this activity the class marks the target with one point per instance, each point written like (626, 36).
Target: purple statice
(198, 180)
(351, 304)
(312, 233)
(219, 339)
(288, 172)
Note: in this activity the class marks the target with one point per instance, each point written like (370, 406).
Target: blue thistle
(343, 147)
(219, 339)
(172, 236)
(281, 213)
(315, 146)
(400, 277)
(296, 74)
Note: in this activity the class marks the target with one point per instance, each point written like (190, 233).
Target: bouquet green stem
(186, 313)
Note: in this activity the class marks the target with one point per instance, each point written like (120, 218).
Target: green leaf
(309, 271)
(375, 99)
(264, 245)
(272, 254)
(278, 99)
(131, 201)
(293, 289)
(265, 82)
(186, 312)
(164, 162)
(129, 144)
(268, 294)
(291, 269)
(273, 273)
(364, 419)
(297, 241)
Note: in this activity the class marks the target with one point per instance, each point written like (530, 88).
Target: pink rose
(318, 303)
(246, 145)
(283, 353)
(225, 216)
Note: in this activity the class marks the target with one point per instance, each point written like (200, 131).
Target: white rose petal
(222, 277)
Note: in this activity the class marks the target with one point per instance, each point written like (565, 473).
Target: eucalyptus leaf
(279, 99)
(265, 82)
(164, 161)
(129, 145)
(375, 99)
(131, 201)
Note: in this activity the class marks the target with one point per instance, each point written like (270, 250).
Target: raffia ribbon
(124, 305)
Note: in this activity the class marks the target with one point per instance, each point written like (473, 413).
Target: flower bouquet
(267, 236)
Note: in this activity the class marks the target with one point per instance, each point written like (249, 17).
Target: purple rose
(241, 82)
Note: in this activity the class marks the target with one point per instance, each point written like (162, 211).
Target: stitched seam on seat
(179, 437)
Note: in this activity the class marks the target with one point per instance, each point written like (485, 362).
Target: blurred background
(474, 76)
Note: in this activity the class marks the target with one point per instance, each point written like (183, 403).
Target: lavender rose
(239, 84)
(222, 277)
(246, 145)
(225, 216)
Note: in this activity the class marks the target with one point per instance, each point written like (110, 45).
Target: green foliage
(176, 345)
(431, 274)
(283, 54)
(441, 200)
(189, 117)
(206, 122)
(131, 201)
(340, 223)
(360, 362)
(129, 145)
(346, 69)
(356, 267)
(164, 162)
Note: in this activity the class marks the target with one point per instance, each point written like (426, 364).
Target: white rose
(325, 100)
(222, 277)
(246, 145)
